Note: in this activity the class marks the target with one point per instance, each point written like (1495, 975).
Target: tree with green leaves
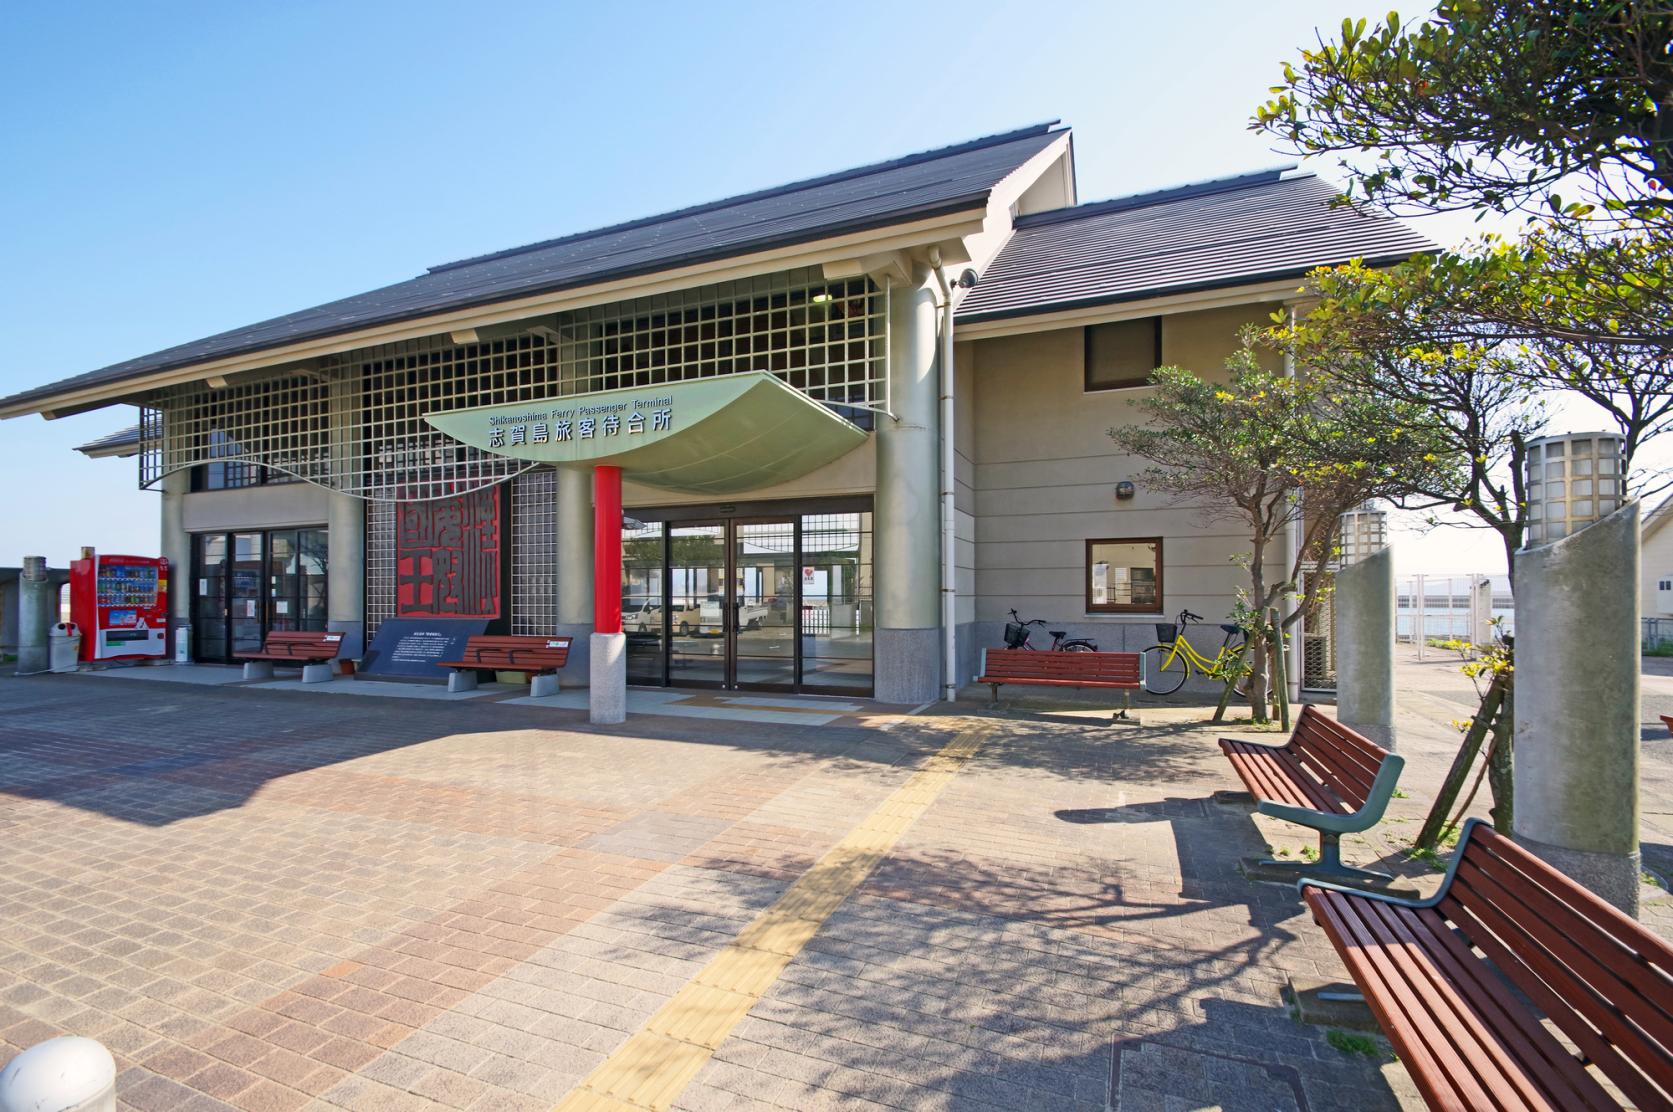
(1278, 451)
(1503, 105)
(1496, 104)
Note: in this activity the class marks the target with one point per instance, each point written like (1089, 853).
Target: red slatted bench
(1326, 777)
(538, 657)
(1119, 671)
(313, 649)
(1469, 984)
(1667, 720)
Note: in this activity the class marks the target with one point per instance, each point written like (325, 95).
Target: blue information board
(411, 646)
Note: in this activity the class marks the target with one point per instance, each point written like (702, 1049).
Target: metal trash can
(64, 646)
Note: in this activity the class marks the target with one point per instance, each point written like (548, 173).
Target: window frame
(1127, 607)
(1126, 384)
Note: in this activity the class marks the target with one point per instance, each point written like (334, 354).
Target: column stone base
(607, 697)
(908, 665)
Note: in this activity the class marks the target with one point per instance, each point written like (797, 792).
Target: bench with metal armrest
(538, 657)
(1511, 987)
(1327, 777)
(1118, 671)
(314, 650)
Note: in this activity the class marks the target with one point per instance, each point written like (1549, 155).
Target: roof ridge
(995, 140)
(1170, 193)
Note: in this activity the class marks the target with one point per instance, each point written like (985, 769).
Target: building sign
(447, 557)
(716, 435)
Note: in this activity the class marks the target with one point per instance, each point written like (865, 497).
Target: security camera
(968, 280)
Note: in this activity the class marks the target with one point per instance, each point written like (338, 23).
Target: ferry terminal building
(815, 439)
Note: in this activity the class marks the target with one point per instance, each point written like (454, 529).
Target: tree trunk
(1499, 780)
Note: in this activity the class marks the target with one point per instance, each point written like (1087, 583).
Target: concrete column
(607, 700)
(175, 545)
(1365, 646)
(1577, 702)
(908, 512)
(345, 574)
(37, 610)
(575, 569)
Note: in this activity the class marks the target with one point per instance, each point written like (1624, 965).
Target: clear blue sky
(173, 170)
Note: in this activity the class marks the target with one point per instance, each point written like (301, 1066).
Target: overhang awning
(720, 435)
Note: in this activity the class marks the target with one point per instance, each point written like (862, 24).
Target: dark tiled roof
(917, 186)
(114, 443)
(1220, 233)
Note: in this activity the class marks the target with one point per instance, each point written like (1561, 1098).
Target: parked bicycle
(1169, 662)
(1017, 634)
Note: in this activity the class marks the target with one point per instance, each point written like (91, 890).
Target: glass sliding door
(765, 602)
(248, 585)
(696, 614)
(643, 581)
(246, 594)
(209, 597)
(836, 602)
(763, 632)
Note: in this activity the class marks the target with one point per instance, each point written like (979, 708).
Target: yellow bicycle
(1169, 662)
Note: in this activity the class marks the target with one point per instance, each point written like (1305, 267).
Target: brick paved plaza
(273, 900)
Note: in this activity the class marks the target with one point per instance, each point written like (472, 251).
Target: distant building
(766, 373)
(1656, 594)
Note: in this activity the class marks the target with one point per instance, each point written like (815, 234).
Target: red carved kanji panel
(447, 553)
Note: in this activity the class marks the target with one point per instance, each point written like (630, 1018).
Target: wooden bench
(1667, 720)
(1119, 671)
(1327, 777)
(539, 657)
(314, 650)
(1471, 984)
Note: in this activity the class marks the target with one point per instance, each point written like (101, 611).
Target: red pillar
(607, 549)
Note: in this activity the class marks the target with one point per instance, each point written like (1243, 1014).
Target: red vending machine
(121, 605)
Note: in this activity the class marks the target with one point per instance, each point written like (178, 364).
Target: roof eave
(929, 225)
(1288, 274)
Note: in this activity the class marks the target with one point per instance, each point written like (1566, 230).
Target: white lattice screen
(534, 552)
(355, 422)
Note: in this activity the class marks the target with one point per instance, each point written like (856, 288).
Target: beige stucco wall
(1657, 563)
(265, 507)
(1045, 472)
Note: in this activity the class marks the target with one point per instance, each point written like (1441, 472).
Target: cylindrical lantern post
(1577, 668)
(1364, 626)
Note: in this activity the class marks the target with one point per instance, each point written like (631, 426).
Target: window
(1122, 355)
(1124, 576)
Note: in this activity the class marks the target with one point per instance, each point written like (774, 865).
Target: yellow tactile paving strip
(653, 1067)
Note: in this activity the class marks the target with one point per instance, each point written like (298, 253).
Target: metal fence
(1430, 609)
(1658, 633)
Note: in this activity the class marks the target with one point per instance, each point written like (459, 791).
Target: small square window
(1122, 355)
(1124, 576)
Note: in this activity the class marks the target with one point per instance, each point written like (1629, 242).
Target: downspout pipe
(949, 580)
(1297, 648)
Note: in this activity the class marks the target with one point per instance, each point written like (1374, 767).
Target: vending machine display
(121, 605)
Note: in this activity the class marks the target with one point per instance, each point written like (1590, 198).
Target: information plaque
(411, 646)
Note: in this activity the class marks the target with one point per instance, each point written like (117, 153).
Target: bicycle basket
(1167, 632)
(1015, 635)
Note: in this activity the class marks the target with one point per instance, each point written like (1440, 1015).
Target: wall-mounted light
(1123, 491)
(821, 298)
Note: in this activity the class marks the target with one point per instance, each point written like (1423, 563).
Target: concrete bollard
(1364, 634)
(37, 610)
(1577, 702)
(66, 1074)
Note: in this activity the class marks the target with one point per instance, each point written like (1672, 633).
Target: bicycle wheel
(1078, 647)
(1164, 670)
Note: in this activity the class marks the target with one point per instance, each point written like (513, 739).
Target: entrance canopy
(711, 436)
